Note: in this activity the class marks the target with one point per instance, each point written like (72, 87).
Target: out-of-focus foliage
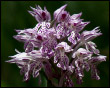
(14, 15)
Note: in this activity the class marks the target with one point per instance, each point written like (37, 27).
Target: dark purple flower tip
(39, 37)
(39, 14)
(44, 15)
(63, 16)
(59, 11)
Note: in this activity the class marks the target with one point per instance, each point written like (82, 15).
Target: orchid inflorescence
(58, 47)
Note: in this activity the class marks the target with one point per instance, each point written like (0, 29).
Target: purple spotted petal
(88, 35)
(59, 11)
(39, 14)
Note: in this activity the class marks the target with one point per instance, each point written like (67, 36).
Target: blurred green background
(14, 15)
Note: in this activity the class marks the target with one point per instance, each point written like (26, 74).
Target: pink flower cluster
(59, 47)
